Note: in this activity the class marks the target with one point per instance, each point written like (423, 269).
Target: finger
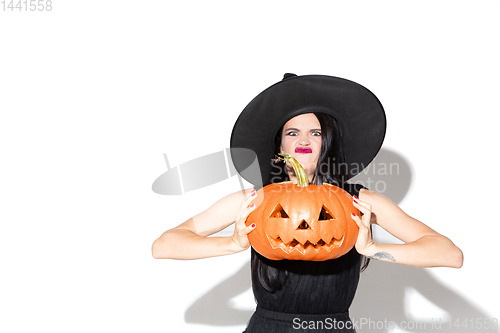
(251, 196)
(247, 211)
(244, 215)
(357, 219)
(246, 203)
(363, 209)
(361, 203)
(361, 224)
(249, 229)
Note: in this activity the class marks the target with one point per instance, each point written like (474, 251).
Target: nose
(304, 140)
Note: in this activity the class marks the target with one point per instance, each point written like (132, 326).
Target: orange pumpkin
(302, 221)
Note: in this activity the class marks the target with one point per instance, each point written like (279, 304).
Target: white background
(93, 93)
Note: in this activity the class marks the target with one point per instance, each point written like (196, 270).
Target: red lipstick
(303, 150)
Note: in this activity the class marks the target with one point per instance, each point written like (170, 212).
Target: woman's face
(301, 138)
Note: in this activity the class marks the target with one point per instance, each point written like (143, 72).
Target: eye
(279, 212)
(292, 133)
(316, 133)
(325, 214)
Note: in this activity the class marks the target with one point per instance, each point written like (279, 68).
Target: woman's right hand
(241, 231)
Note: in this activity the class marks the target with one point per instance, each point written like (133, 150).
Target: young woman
(333, 128)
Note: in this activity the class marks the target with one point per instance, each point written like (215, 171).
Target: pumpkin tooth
(338, 234)
(336, 243)
(287, 231)
(314, 248)
(338, 230)
(314, 239)
(273, 233)
(328, 241)
(328, 247)
(288, 248)
(302, 237)
(300, 248)
(286, 236)
(321, 245)
(308, 246)
(277, 243)
(333, 250)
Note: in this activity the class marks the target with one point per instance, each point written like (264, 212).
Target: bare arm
(189, 240)
(423, 246)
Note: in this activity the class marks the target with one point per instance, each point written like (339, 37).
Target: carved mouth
(306, 247)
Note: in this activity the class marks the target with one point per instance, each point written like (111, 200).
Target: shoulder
(383, 207)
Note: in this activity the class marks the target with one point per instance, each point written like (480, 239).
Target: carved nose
(303, 225)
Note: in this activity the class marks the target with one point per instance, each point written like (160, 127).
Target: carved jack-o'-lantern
(302, 221)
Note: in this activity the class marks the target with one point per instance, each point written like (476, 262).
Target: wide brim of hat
(357, 110)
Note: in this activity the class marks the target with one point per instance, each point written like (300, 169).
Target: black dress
(314, 296)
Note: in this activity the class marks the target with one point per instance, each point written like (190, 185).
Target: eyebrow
(297, 130)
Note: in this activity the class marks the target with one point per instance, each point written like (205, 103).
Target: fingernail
(353, 214)
(253, 225)
(355, 201)
(355, 197)
(252, 205)
(254, 193)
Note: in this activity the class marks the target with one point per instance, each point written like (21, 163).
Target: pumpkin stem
(300, 173)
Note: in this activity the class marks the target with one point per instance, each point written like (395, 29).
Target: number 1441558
(26, 5)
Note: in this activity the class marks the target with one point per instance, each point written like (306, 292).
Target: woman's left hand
(365, 240)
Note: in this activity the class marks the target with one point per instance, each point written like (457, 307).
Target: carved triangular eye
(325, 214)
(303, 225)
(279, 212)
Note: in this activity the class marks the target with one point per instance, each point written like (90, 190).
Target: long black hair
(331, 168)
